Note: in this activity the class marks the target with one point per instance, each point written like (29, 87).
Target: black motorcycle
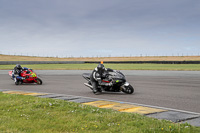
(118, 79)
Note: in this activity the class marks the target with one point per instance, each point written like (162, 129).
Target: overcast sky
(99, 27)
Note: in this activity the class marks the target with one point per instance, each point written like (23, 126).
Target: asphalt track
(170, 89)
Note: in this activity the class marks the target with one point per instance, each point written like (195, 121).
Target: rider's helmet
(18, 66)
(100, 68)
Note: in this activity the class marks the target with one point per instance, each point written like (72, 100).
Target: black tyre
(128, 89)
(20, 82)
(39, 81)
(89, 83)
(17, 83)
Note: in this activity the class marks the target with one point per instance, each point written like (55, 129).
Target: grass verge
(141, 58)
(20, 113)
(175, 67)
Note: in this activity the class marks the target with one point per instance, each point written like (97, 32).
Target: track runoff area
(174, 115)
(150, 111)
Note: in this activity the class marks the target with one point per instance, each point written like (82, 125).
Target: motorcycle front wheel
(128, 89)
(39, 81)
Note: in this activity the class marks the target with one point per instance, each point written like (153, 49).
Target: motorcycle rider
(97, 75)
(17, 71)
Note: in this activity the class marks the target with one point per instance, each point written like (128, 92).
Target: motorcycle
(28, 76)
(117, 78)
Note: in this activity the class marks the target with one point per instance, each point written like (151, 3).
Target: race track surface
(171, 89)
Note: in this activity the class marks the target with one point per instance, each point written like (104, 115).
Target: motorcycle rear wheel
(39, 81)
(17, 83)
(128, 89)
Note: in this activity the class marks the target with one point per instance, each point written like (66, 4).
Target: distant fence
(96, 62)
(40, 62)
(143, 62)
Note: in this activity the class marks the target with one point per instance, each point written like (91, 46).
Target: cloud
(89, 27)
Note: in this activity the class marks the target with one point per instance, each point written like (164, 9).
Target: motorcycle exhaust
(86, 84)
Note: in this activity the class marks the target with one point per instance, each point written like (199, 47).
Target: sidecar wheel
(39, 81)
(128, 89)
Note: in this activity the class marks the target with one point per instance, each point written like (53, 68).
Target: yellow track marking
(101, 104)
(143, 110)
(124, 107)
(24, 93)
(35, 94)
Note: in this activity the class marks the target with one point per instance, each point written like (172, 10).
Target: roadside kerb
(150, 111)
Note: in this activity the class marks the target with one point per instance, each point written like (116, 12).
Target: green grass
(178, 67)
(20, 114)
